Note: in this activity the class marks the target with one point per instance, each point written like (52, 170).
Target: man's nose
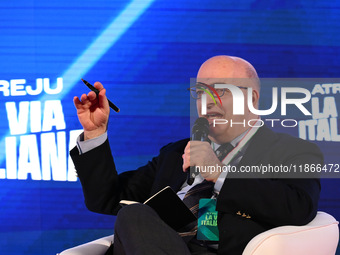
(210, 99)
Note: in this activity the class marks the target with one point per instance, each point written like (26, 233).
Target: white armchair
(96, 247)
(319, 237)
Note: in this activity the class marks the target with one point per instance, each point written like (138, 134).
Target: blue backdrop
(145, 53)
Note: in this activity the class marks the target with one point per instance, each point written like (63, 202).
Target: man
(246, 206)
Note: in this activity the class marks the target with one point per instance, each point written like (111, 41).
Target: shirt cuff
(85, 146)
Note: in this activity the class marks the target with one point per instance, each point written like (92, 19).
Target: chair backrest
(319, 237)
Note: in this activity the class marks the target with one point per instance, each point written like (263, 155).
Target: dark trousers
(140, 231)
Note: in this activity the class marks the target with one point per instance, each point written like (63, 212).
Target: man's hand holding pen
(93, 112)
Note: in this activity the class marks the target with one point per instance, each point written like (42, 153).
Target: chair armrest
(319, 237)
(96, 247)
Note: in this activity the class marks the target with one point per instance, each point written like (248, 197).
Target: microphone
(200, 131)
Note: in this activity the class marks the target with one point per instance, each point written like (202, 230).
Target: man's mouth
(213, 115)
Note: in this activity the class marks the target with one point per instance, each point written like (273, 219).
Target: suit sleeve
(103, 188)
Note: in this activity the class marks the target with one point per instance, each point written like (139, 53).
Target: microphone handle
(191, 174)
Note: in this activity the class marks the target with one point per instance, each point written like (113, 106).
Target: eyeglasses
(200, 88)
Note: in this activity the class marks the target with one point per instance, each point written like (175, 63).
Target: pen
(112, 105)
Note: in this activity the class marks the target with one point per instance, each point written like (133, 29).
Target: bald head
(228, 67)
(234, 71)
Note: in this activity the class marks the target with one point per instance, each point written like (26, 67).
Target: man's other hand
(200, 154)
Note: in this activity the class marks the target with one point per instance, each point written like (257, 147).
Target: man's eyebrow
(211, 85)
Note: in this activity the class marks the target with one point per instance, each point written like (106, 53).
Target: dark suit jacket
(246, 207)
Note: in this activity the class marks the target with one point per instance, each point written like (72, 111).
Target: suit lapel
(258, 145)
(177, 180)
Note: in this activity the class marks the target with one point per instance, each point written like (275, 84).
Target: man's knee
(132, 215)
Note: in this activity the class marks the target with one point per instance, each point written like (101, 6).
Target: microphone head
(200, 129)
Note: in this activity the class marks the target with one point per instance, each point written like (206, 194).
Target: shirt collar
(234, 142)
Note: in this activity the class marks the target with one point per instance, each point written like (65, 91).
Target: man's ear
(255, 98)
